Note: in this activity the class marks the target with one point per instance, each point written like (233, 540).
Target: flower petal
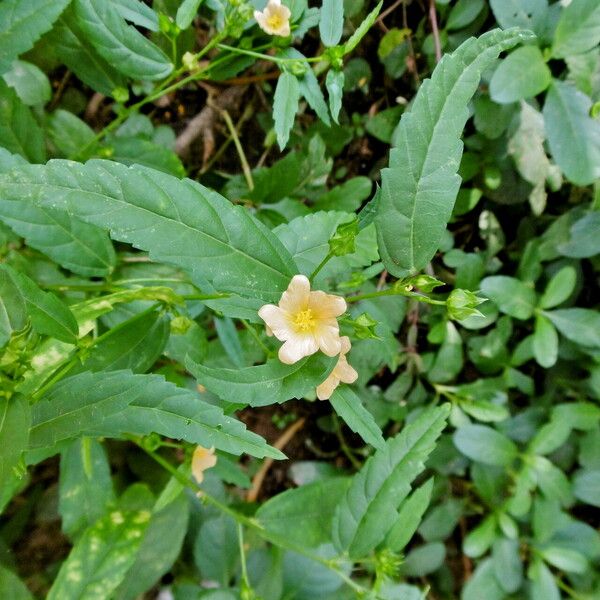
(276, 320)
(345, 371)
(346, 345)
(326, 305)
(326, 389)
(296, 348)
(328, 339)
(296, 297)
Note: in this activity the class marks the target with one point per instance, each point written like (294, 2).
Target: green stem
(245, 580)
(343, 445)
(162, 90)
(248, 522)
(275, 59)
(393, 292)
(329, 256)
(252, 332)
(238, 146)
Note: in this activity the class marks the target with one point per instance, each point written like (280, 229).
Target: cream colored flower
(342, 372)
(306, 321)
(274, 19)
(202, 459)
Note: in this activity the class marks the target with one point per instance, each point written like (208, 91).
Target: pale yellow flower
(342, 373)
(202, 459)
(306, 321)
(274, 19)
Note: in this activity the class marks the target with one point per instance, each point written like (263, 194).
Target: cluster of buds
(306, 321)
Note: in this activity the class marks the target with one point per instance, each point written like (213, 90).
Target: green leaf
(114, 403)
(22, 23)
(75, 50)
(85, 485)
(101, 557)
(449, 359)
(307, 239)
(216, 551)
(485, 445)
(463, 13)
(409, 517)
(264, 384)
(19, 131)
(134, 344)
(137, 12)
(483, 584)
(331, 24)
(334, 82)
(309, 86)
(77, 403)
(565, 559)
(118, 43)
(508, 566)
(285, 106)
(30, 83)
(543, 584)
(560, 287)
(13, 309)
(69, 133)
(362, 29)
(578, 29)
(523, 74)
(49, 315)
(420, 186)
(369, 508)
(303, 515)
(134, 151)
(586, 487)
(230, 340)
(159, 550)
(186, 12)
(573, 136)
(177, 221)
(350, 408)
(346, 197)
(15, 419)
(479, 539)
(528, 14)
(12, 587)
(510, 295)
(545, 342)
(584, 240)
(580, 325)
(424, 560)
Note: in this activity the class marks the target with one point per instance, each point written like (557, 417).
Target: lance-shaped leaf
(49, 315)
(102, 556)
(177, 221)
(74, 49)
(22, 23)
(120, 44)
(419, 188)
(15, 418)
(77, 403)
(117, 403)
(369, 508)
(79, 247)
(265, 384)
(348, 406)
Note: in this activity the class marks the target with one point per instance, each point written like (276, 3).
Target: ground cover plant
(299, 300)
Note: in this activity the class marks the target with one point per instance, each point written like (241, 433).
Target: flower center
(304, 321)
(274, 21)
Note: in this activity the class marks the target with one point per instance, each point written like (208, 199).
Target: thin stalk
(249, 522)
(245, 580)
(238, 146)
(393, 292)
(329, 256)
(256, 337)
(275, 59)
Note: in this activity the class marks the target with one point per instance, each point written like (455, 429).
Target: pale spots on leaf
(117, 518)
